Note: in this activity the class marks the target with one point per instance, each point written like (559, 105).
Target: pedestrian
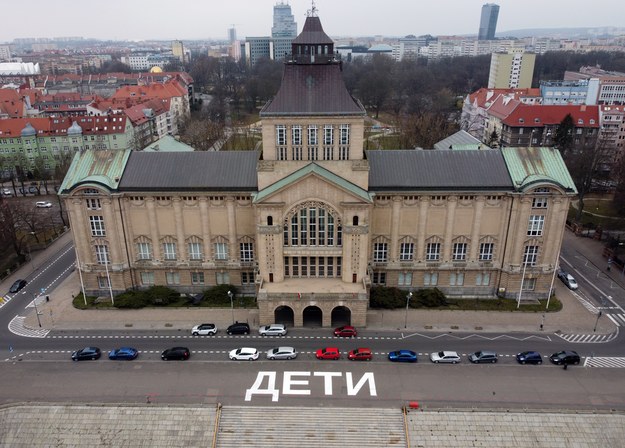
(566, 365)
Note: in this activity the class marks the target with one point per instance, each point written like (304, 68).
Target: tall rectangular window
(195, 251)
(97, 226)
(147, 278)
(379, 278)
(282, 153)
(460, 252)
(486, 251)
(328, 153)
(536, 225)
(456, 279)
(430, 279)
(404, 279)
(221, 251)
(482, 279)
(169, 251)
(280, 135)
(313, 137)
(102, 254)
(222, 278)
(530, 256)
(433, 252)
(380, 252)
(144, 251)
(406, 251)
(247, 278)
(247, 251)
(312, 153)
(172, 278)
(93, 204)
(312, 227)
(328, 135)
(539, 203)
(296, 135)
(297, 153)
(344, 134)
(343, 153)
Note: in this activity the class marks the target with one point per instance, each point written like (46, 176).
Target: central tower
(313, 204)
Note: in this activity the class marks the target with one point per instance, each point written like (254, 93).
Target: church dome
(74, 129)
(28, 131)
(156, 69)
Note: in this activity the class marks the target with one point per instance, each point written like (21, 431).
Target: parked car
(124, 353)
(272, 330)
(204, 329)
(17, 285)
(7, 192)
(243, 354)
(176, 353)
(529, 358)
(282, 353)
(360, 354)
(238, 328)
(346, 331)
(402, 356)
(328, 353)
(567, 279)
(86, 353)
(445, 357)
(43, 204)
(565, 357)
(483, 356)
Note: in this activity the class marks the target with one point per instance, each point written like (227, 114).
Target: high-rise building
(232, 35)
(488, 21)
(284, 24)
(178, 50)
(511, 70)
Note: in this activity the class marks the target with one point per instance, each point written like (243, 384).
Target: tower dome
(74, 129)
(28, 131)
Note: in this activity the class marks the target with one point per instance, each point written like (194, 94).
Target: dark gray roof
(313, 33)
(188, 171)
(315, 89)
(398, 170)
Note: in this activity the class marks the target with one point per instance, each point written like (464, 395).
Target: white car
(567, 279)
(243, 354)
(445, 356)
(7, 192)
(282, 353)
(43, 204)
(272, 330)
(204, 330)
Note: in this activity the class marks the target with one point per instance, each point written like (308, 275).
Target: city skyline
(116, 20)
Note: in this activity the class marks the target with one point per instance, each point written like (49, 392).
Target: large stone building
(312, 222)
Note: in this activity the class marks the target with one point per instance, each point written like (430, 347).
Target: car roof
(285, 349)
(449, 353)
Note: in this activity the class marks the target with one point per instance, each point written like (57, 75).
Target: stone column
(452, 201)
(206, 232)
(179, 220)
(424, 203)
(477, 224)
(233, 248)
(395, 217)
(154, 234)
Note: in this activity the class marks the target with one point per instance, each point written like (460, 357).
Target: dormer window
(580, 121)
(521, 120)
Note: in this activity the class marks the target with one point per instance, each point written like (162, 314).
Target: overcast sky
(205, 19)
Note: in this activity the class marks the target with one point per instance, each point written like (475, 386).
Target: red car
(346, 331)
(360, 354)
(328, 353)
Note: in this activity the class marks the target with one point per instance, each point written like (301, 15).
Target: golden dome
(156, 69)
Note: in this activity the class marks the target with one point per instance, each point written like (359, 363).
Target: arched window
(312, 224)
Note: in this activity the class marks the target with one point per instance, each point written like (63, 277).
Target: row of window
(432, 252)
(431, 279)
(312, 267)
(312, 153)
(195, 278)
(312, 133)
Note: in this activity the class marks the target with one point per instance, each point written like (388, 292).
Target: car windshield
(441, 354)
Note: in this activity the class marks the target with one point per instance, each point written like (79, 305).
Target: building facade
(488, 22)
(511, 70)
(312, 223)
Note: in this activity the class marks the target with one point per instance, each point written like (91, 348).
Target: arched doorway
(341, 315)
(312, 316)
(284, 315)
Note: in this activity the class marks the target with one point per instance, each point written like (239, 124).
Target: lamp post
(594, 330)
(231, 304)
(407, 303)
(36, 310)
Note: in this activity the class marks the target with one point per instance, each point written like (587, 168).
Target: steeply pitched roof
(313, 168)
(312, 33)
(312, 89)
(529, 166)
(398, 170)
(191, 171)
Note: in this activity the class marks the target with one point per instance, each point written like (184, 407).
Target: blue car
(125, 353)
(529, 358)
(402, 356)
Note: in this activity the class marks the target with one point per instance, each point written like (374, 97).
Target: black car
(86, 354)
(529, 358)
(565, 357)
(238, 328)
(19, 284)
(176, 353)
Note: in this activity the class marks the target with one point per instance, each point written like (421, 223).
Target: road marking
(16, 326)
(609, 362)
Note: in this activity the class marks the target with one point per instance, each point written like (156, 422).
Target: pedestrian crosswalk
(591, 338)
(602, 361)
(618, 319)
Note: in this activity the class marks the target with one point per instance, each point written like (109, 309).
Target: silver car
(445, 356)
(282, 353)
(272, 330)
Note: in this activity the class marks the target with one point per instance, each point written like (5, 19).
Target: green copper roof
(530, 166)
(99, 169)
(313, 168)
(168, 143)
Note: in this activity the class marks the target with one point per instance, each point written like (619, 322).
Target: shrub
(218, 295)
(131, 300)
(387, 298)
(428, 298)
(160, 296)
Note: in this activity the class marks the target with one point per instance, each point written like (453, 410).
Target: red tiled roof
(49, 126)
(11, 103)
(527, 115)
(503, 106)
(484, 96)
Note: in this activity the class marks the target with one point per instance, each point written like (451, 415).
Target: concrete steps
(310, 427)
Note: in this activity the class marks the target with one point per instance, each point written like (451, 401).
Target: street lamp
(594, 330)
(407, 303)
(231, 304)
(36, 310)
